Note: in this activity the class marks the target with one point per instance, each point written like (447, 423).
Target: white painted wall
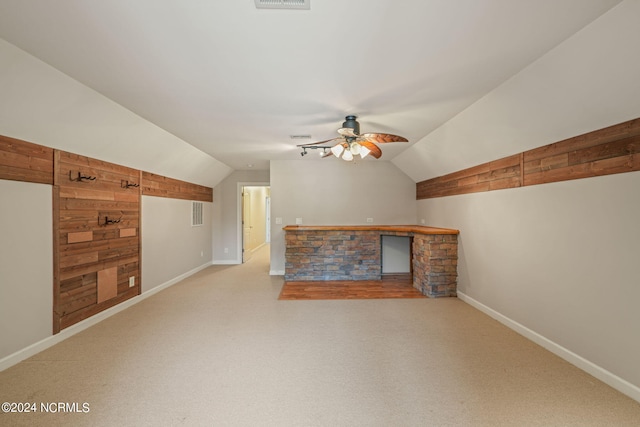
(26, 265)
(335, 192)
(171, 247)
(227, 214)
(40, 104)
(586, 83)
(560, 260)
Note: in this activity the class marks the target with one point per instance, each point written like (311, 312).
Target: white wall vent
(283, 4)
(196, 214)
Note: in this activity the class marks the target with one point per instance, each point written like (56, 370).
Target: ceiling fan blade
(320, 142)
(348, 132)
(375, 150)
(382, 137)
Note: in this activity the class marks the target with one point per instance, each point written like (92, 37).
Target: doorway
(255, 218)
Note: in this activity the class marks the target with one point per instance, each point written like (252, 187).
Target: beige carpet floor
(220, 349)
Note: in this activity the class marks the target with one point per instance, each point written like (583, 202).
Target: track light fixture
(322, 153)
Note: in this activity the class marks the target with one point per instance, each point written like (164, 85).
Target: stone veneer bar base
(330, 253)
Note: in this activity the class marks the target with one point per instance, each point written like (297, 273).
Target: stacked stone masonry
(326, 254)
(435, 264)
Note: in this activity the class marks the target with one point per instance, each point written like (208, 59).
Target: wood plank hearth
(396, 286)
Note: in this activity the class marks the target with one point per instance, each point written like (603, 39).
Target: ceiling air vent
(283, 4)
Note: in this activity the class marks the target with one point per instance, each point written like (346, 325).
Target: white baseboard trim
(276, 272)
(257, 248)
(225, 262)
(591, 368)
(155, 290)
(37, 347)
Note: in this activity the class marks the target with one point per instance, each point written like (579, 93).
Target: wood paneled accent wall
(24, 161)
(615, 149)
(96, 223)
(161, 186)
(96, 236)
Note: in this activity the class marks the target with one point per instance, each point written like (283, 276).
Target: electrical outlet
(226, 250)
(422, 221)
(201, 253)
(278, 220)
(298, 220)
(369, 219)
(132, 281)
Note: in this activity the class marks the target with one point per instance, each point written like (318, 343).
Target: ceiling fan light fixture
(351, 143)
(337, 150)
(364, 151)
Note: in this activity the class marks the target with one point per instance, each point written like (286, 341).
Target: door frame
(246, 214)
(239, 200)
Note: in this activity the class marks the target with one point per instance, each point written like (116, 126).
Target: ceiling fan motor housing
(351, 123)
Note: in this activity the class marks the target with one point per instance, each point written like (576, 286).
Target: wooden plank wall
(161, 186)
(24, 161)
(96, 223)
(96, 230)
(495, 175)
(611, 150)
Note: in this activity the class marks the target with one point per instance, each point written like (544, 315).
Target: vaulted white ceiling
(236, 82)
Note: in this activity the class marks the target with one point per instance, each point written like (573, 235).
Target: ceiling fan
(352, 143)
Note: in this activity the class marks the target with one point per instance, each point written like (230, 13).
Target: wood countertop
(421, 229)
